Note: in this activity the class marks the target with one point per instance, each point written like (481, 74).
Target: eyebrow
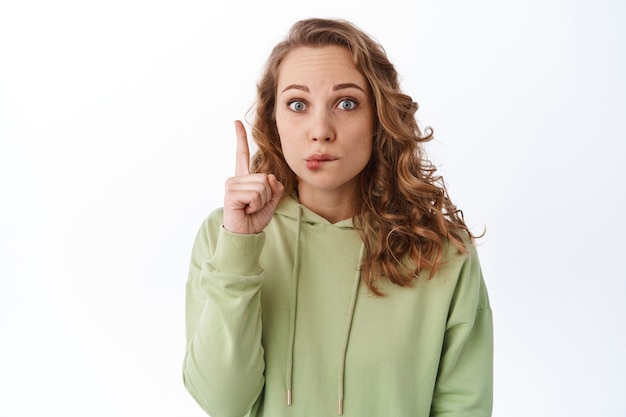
(296, 87)
(335, 88)
(347, 85)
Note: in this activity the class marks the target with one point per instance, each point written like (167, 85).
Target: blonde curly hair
(403, 211)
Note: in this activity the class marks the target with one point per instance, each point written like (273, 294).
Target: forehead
(332, 64)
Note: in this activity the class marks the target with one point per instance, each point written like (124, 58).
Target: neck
(333, 206)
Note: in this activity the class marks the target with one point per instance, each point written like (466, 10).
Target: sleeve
(464, 384)
(223, 365)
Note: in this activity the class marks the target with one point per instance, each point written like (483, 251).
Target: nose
(322, 128)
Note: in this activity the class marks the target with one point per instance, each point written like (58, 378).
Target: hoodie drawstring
(346, 338)
(292, 319)
(293, 314)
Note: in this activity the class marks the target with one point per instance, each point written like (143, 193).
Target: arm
(464, 384)
(223, 366)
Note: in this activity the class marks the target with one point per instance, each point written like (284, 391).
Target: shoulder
(464, 270)
(458, 256)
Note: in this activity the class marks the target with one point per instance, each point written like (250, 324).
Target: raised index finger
(242, 163)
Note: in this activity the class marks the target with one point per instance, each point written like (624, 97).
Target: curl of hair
(403, 211)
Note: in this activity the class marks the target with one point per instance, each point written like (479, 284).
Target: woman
(338, 277)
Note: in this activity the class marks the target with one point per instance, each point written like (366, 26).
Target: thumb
(276, 186)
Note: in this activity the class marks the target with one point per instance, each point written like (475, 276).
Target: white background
(116, 138)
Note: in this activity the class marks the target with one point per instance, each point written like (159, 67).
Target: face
(325, 119)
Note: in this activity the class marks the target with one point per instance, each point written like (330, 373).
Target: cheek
(289, 150)
(281, 121)
(367, 155)
(285, 136)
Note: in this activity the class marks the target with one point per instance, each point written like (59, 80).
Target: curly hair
(403, 211)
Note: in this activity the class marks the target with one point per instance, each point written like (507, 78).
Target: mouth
(316, 160)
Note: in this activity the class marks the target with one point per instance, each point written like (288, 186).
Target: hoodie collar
(290, 207)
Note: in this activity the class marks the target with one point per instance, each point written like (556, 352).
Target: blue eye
(347, 104)
(297, 105)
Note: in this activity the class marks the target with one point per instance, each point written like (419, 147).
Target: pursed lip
(321, 157)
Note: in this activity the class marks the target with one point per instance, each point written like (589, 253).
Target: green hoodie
(279, 324)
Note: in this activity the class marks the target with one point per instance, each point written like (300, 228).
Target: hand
(249, 199)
